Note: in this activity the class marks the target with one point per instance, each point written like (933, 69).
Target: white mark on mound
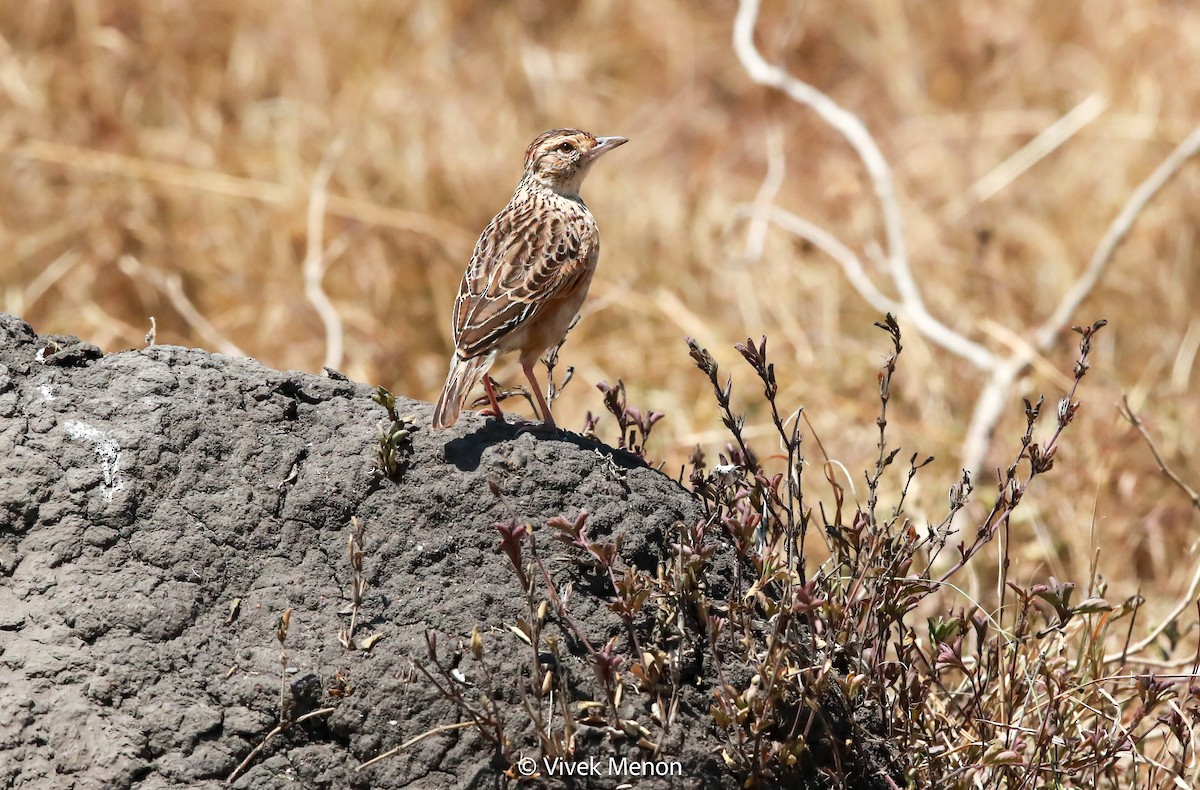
(47, 392)
(106, 448)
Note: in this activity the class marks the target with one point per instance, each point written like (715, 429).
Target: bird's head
(560, 158)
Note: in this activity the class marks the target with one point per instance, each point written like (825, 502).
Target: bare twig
(550, 360)
(1189, 598)
(280, 728)
(1186, 601)
(417, 739)
(1127, 412)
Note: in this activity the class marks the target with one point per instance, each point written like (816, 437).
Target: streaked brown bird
(529, 273)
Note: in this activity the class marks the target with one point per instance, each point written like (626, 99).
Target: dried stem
(279, 729)
(1127, 412)
(460, 725)
(1189, 598)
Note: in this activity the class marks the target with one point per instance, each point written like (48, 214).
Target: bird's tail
(463, 376)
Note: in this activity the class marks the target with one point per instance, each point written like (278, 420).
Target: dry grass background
(158, 158)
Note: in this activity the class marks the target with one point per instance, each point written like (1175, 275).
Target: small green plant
(395, 437)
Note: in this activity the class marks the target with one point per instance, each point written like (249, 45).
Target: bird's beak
(605, 144)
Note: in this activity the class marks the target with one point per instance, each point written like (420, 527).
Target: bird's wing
(525, 259)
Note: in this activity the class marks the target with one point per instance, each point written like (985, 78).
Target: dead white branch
(1002, 371)
(879, 172)
(1113, 237)
(994, 396)
(829, 244)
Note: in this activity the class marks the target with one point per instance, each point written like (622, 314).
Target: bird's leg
(547, 417)
(491, 393)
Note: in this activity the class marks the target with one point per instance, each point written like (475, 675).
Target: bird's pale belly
(548, 328)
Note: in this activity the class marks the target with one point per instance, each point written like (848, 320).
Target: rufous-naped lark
(529, 273)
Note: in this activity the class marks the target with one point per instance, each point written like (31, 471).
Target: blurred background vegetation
(161, 158)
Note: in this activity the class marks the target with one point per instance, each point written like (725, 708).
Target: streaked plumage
(530, 271)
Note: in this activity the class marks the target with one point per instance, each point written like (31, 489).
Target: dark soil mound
(160, 510)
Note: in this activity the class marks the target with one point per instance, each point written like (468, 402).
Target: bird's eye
(567, 148)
